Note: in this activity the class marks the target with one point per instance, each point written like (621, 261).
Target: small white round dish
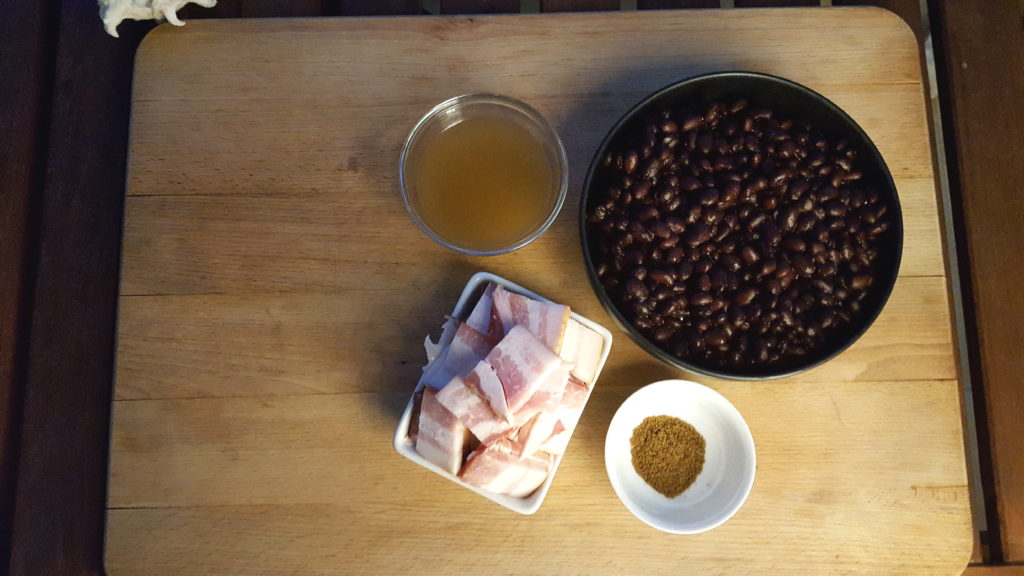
(729, 459)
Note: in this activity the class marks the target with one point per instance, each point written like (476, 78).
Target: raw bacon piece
(569, 411)
(441, 437)
(536, 432)
(466, 347)
(497, 469)
(558, 441)
(546, 320)
(571, 407)
(495, 331)
(473, 411)
(522, 362)
(485, 382)
(548, 396)
(582, 347)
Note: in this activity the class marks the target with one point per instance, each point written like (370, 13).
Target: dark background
(64, 108)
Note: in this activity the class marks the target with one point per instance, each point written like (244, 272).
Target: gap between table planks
(274, 295)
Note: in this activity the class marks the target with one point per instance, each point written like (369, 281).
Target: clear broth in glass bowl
(483, 174)
(484, 183)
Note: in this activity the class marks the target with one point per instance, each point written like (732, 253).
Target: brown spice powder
(668, 454)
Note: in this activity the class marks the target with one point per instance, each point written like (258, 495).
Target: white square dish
(406, 447)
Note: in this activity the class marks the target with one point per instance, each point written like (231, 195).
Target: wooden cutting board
(275, 297)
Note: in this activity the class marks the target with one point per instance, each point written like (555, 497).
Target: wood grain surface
(988, 183)
(275, 295)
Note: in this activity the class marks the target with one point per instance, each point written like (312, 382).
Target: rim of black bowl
(888, 275)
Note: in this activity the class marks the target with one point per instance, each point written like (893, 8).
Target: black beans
(708, 197)
(732, 237)
(860, 282)
(794, 244)
(697, 234)
(701, 299)
(749, 255)
(745, 296)
(771, 233)
(662, 277)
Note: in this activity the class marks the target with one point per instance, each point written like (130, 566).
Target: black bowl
(790, 100)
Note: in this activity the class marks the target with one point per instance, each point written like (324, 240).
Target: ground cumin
(668, 454)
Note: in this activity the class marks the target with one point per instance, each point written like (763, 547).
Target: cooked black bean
(788, 217)
(803, 265)
(708, 196)
(703, 283)
(701, 299)
(770, 233)
(794, 244)
(731, 262)
(693, 213)
(662, 294)
(745, 296)
(675, 225)
(697, 234)
(749, 255)
(670, 241)
(716, 337)
(635, 290)
(860, 282)
(645, 213)
(674, 255)
(660, 230)
(661, 277)
(691, 122)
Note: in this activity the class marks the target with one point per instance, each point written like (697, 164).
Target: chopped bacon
(497, 469)
(485, 382)
(473, 411)
(571, 407)
(495, 330)
(441, 437)
(510, 383)
(548, 396)
(558, 441)
(532, 435)
(546, 320)
(522, 362)
(582, 348)
(466, 347)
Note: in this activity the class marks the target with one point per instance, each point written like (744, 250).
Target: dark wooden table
(64, 109)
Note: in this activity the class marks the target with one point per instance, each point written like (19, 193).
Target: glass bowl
(501, 175)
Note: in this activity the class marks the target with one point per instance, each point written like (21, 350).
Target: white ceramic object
(729, 459)
(405, 446)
